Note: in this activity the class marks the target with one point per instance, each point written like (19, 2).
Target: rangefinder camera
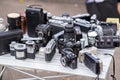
(49, 50)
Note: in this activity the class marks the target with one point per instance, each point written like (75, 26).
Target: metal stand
(2, 72)
(34, 77)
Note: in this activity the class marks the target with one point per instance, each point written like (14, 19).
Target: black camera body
(108, 41)
(34, 16)
(44, 32)
(93, 63)
(70, 39)
(68, 58)
(7, 37)
(74, 46)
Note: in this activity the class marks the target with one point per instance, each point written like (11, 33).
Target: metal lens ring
(63, 61)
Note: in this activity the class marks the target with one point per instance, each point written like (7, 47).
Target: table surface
(55, 65)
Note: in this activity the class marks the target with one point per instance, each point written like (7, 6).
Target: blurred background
(56, 7)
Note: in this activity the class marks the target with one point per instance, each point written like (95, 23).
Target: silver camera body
(49, 50)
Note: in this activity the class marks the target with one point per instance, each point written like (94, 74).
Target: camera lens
(20, 51)
(63, 61)
(69, 44)
(20, 46)
(61, 41)
(40, 34)
(30, 46)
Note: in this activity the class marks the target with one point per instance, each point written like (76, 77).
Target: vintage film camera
(103, 41)
(44, 32)
(49, 50)
(34, 16)
(68, 58)
(7, 37)
(91, 23)
(103, 28)
(69, 39)
(93, 63)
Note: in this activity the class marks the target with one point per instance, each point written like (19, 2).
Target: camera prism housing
(70, 39)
